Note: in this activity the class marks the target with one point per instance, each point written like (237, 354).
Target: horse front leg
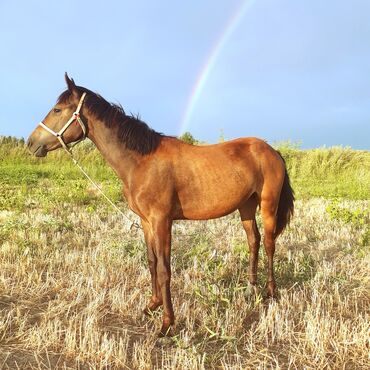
(161, 229)
(156, 298)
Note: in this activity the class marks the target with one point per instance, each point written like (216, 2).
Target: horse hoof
(272, 295)
(165, 341)
(166, 331)
(271, 289)
(148, 310)
(251, 290)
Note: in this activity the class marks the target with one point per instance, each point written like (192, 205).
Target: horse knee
(163, 274)
(255, 238)
(152, 265)
(253, 235)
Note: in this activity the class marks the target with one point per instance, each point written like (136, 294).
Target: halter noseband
(75, 117)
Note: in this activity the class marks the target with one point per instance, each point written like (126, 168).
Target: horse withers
(165, 179)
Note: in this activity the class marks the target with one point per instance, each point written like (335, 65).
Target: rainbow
(210, 61)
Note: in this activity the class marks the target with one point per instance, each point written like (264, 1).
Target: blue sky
(297, 70)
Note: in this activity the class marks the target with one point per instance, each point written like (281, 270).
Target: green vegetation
(326, 172)
(187, 137)
(26, 180)
(358, 218)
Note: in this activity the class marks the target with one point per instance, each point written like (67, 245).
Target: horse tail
(286, 203)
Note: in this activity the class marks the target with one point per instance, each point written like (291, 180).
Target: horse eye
(56, 110)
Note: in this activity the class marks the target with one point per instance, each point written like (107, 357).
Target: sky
(275, 69)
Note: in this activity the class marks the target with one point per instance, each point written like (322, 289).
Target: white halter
(59, 136)
(75, 117)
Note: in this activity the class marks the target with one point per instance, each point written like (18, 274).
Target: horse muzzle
(36, 149)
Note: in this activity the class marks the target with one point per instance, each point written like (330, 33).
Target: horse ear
(70, 84)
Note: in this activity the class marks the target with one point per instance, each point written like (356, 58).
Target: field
(74, 279)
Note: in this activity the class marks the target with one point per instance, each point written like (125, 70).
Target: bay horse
(165, 179)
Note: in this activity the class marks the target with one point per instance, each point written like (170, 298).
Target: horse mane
(135, 134)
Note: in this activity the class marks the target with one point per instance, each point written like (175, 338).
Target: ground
(74, 280)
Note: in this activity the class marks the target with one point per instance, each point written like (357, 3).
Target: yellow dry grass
(73, 284)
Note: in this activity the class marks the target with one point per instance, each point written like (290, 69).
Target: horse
(165, 179)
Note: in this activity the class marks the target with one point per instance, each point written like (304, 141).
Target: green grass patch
(326, 172)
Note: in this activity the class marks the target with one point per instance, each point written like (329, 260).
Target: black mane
(132, 132)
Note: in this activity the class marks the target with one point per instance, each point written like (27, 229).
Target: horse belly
(214, 196)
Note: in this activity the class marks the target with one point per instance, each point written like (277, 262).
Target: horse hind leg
(248, 218)
(269, 205)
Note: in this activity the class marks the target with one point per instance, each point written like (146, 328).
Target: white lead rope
(133, 223)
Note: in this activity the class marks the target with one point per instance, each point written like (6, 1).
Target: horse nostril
(29, 143)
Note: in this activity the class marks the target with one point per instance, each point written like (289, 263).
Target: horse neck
(121, 159)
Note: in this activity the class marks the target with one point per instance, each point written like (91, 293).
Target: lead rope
(134, 224)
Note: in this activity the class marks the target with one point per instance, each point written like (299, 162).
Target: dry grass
(73, 283)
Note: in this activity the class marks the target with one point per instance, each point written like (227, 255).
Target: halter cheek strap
(75, 118)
